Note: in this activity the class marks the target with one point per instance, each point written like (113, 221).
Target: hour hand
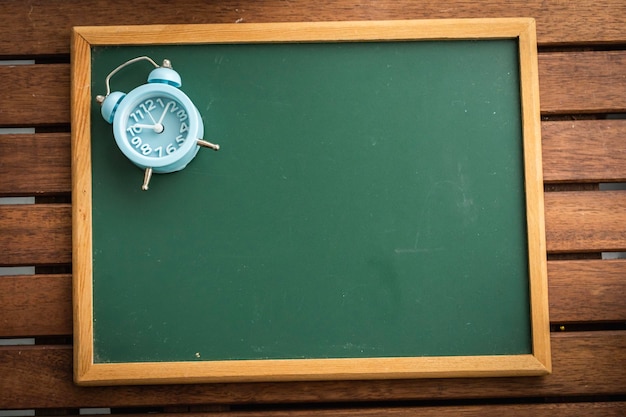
(142, 126)
(158, 128)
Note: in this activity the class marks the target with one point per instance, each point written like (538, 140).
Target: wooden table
(582, 72)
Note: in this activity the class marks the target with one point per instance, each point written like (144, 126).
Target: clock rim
(167, 163)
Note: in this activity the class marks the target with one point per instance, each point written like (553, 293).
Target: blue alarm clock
(156, 126)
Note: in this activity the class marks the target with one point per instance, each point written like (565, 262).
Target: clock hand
(164, 113)
(151, 118)
(158, 127)
(142, 126)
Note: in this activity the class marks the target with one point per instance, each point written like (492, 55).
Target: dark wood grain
(40, 377)
(584, 151)
(35, 234)
(43, 27)
(588, 366)
(573, 151)
(575, 222)
(583, 82)
(586, 221)
(580, 291)
(33, 95)
(598, 409)
(37, 305)
(35, 164)
(587, 290)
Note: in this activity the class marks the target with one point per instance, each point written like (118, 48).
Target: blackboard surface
(367, 201)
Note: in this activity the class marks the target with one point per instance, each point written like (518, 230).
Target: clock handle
(209, 145)
(146, 179)
(107, 80)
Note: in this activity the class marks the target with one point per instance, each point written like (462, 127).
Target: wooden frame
(86, 372)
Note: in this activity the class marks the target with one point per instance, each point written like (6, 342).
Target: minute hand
(164, 113)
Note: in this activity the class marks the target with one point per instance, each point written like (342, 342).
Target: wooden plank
(573, 151)
(586, 363)
(583, 82)
(33, 95)
(44, 28)
(575, 222)
(35, 305)
(586, 221)
(35, 234)
(589, 290)
(34, 164)
(584, 151)
(594, 409)
(580, 291)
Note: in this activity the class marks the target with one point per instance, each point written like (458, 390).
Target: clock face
(157, 126)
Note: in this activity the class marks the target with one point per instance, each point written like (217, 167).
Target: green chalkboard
(368, 201)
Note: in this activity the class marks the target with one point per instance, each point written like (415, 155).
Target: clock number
(169, 149)
(180, 113)
(183, 127)
(180, 139)
(146, 149)
(147, 106)
(133, 130)
(137, 115)
(182, 116)
(171, 105)
(143, 147)
(136, 141)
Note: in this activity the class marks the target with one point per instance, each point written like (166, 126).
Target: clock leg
(210, 145)
(146, 179)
